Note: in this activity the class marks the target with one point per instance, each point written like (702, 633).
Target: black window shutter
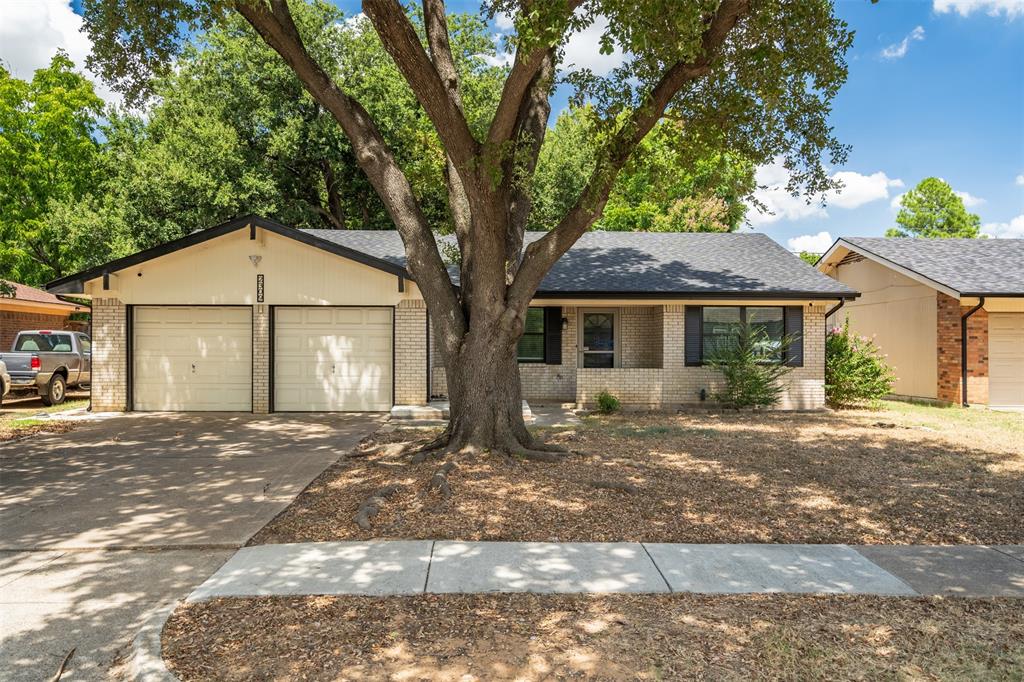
(692, 324)
(795, 328)
(553, 335)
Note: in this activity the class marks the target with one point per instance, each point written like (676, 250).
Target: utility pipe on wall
(963, 349)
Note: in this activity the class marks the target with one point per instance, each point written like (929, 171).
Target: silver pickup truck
(48, 362)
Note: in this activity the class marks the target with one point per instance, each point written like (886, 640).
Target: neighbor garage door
(192, 358)
(332, 359)
(1006, 359)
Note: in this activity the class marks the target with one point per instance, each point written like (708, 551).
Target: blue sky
(936, 87)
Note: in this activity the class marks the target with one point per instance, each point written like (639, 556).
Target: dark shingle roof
(970, 266)
(656, 263)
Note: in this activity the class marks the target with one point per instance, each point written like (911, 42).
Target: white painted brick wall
(109, 355)
(261, 359)
(411, 353)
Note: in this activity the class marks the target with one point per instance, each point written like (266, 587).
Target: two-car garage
(321, 358)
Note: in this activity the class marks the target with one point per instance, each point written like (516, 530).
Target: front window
(531, 343)
(598, 337)
(722, 326)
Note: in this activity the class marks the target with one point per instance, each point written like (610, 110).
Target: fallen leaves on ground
(601, 637)
(923, 477)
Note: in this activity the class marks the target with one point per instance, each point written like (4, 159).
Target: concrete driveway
(103, 524)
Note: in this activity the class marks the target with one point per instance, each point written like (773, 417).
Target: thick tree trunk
(486, 398)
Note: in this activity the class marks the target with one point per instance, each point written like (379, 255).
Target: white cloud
(1019, 180)
(899, 50)
(969, 199)
(895, 203)
(503, 21)
(860, 189)
(857, 190)
(1010, 8)
(812, 243)
(1011, 230)
(31, 31)
(583, 50)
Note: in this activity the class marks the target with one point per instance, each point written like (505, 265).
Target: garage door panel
(192, 358)
(332, 359)
(1006, 359)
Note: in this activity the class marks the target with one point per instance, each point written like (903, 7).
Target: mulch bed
(612, 637)
(853, 477)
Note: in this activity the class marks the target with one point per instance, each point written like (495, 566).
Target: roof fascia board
(688, 295)
(74, 284)
(903, 270)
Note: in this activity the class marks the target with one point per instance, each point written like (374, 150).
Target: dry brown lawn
(611, 637)
(901, 474)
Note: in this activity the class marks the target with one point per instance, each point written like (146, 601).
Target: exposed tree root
(547, 447)
(371, 505)
(621, 486)
(431, 449)
(440, 482)
(537, 455)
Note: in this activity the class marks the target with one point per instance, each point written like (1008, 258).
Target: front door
(597, 338)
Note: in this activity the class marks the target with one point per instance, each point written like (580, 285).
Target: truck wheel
(55, 392)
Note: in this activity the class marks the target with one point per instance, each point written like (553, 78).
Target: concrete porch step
(437, 410)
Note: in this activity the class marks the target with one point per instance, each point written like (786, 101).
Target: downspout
(963, 348)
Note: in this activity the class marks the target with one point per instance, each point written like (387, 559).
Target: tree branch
(542, 254)
(401, 42)
(274, 23)
(517, 85)
(436, 22)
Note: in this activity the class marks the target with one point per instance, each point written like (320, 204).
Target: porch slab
(367, 568)
(794, 569)
(540, 567)
(436, 410)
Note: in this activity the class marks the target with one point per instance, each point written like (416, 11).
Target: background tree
(809, 258)
(751, 78)
(933, 210)
(50, 164)
(659, 189)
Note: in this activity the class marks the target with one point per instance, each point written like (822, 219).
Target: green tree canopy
(660, 188)
(933, 210)
(50, 164)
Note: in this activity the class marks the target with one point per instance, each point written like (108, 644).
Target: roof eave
(720, 295)
(75, 284)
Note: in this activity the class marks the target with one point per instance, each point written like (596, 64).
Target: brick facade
(411, 353)
(109, 355)
(14, 321)
(652, 371)
(261, 359)
(950, 374)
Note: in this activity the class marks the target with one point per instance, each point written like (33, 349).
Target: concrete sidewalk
(423, 566)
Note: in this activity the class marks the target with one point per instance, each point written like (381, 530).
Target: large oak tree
(755, 78)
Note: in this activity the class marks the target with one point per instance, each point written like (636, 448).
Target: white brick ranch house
(252, 315)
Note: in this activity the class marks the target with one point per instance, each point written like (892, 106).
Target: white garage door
(332, 359)
(1006, 359)
(192, 358)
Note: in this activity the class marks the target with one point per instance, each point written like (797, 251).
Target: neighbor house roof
(600, 264)
(23, 292)
(648, 263)
(968, 267)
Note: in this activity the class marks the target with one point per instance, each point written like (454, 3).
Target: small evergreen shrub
(607, 403)
(855, 370)
(752, 368)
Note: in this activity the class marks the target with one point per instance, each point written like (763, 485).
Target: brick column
(949, 312)
(411, 353)
(109, 355)
(261, 359)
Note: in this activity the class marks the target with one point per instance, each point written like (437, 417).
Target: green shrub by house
(752, 368)
(607, 403)
(855, 370)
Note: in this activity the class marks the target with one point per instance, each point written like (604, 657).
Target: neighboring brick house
(920, 295)
(32, 308)
(254, 315)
